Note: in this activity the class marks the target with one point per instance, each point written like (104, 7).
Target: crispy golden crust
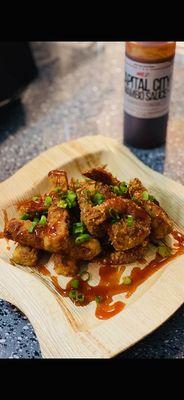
(100, 174)
(85, 251)
(128, 256)
(25, 255)
(58, 178)
(93, 216)
(65, 265)
(161, 224)
(52, 237)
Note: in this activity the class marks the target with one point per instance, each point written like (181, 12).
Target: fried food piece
(65, 265)
(92, 215)
(25, 255)
(53, 236)
(58, 178)
(85, 251)
(128, 256)
(100, 174)
(161, 224)
(121, 235)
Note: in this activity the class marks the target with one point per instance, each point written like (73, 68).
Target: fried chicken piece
(100, 174)
(92, 215)
(161, 224)
(31, 207)
(128, 256)
(58, 178)
(121, 235)
(85, 251)
(53, 236)
(65, 265)
(124, 237)
(25, 255)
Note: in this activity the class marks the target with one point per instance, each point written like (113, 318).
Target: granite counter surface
(79, 91)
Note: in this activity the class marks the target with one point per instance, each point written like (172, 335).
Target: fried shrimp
(161, 224)
(101, 175)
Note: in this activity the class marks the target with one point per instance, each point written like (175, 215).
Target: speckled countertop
(79, 92)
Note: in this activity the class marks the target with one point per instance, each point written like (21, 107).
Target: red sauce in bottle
(148, 77)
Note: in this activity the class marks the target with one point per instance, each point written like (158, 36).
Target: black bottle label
(147, 88)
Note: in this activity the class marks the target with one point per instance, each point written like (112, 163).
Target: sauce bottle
(148, 78)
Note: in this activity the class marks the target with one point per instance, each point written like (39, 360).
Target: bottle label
(147, 88)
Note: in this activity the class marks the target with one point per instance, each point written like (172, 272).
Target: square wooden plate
(67, 331)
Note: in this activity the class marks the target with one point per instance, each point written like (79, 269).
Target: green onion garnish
(80, 297)
(78, 227)
(127, 280)
(129, 220)
(72, 294)
(43, 220)
(75, 283)
(48, 201)
(85, 275)
(36, 219)
(98, 299)
(163, 251)
(145, 195)
(57, 189)
(87, 180)
(34, 198)
(62, 204)
(123, 187)
(151, 198)
(97, 198)
(114, 214)
(70, 199)
(25, 216)
(116, 190)
(32, 227)
(84, 237)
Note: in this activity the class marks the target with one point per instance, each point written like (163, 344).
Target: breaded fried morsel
(53, 236)
(100, 174)
(161, 224)
(25, 255)
(128, 256)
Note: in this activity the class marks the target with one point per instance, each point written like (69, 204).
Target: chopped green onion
(98, 299)
(80, 297)
(62, 204)
(97, 198)
(75, 283)
(129, 220)
(114, 214)
(32, 227)
(85, 275)
(36, 219)
(72, 294)
(48, 201)
(127, 280)
(151, 198)
(43, 220)
(25, 216)
(84, 237)
(116, 190)
(163, 251)
(34, 198)
(87, 180)
(57, 189)
(145, 195)
(78, 227)
(123, 187)
(71, 199)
